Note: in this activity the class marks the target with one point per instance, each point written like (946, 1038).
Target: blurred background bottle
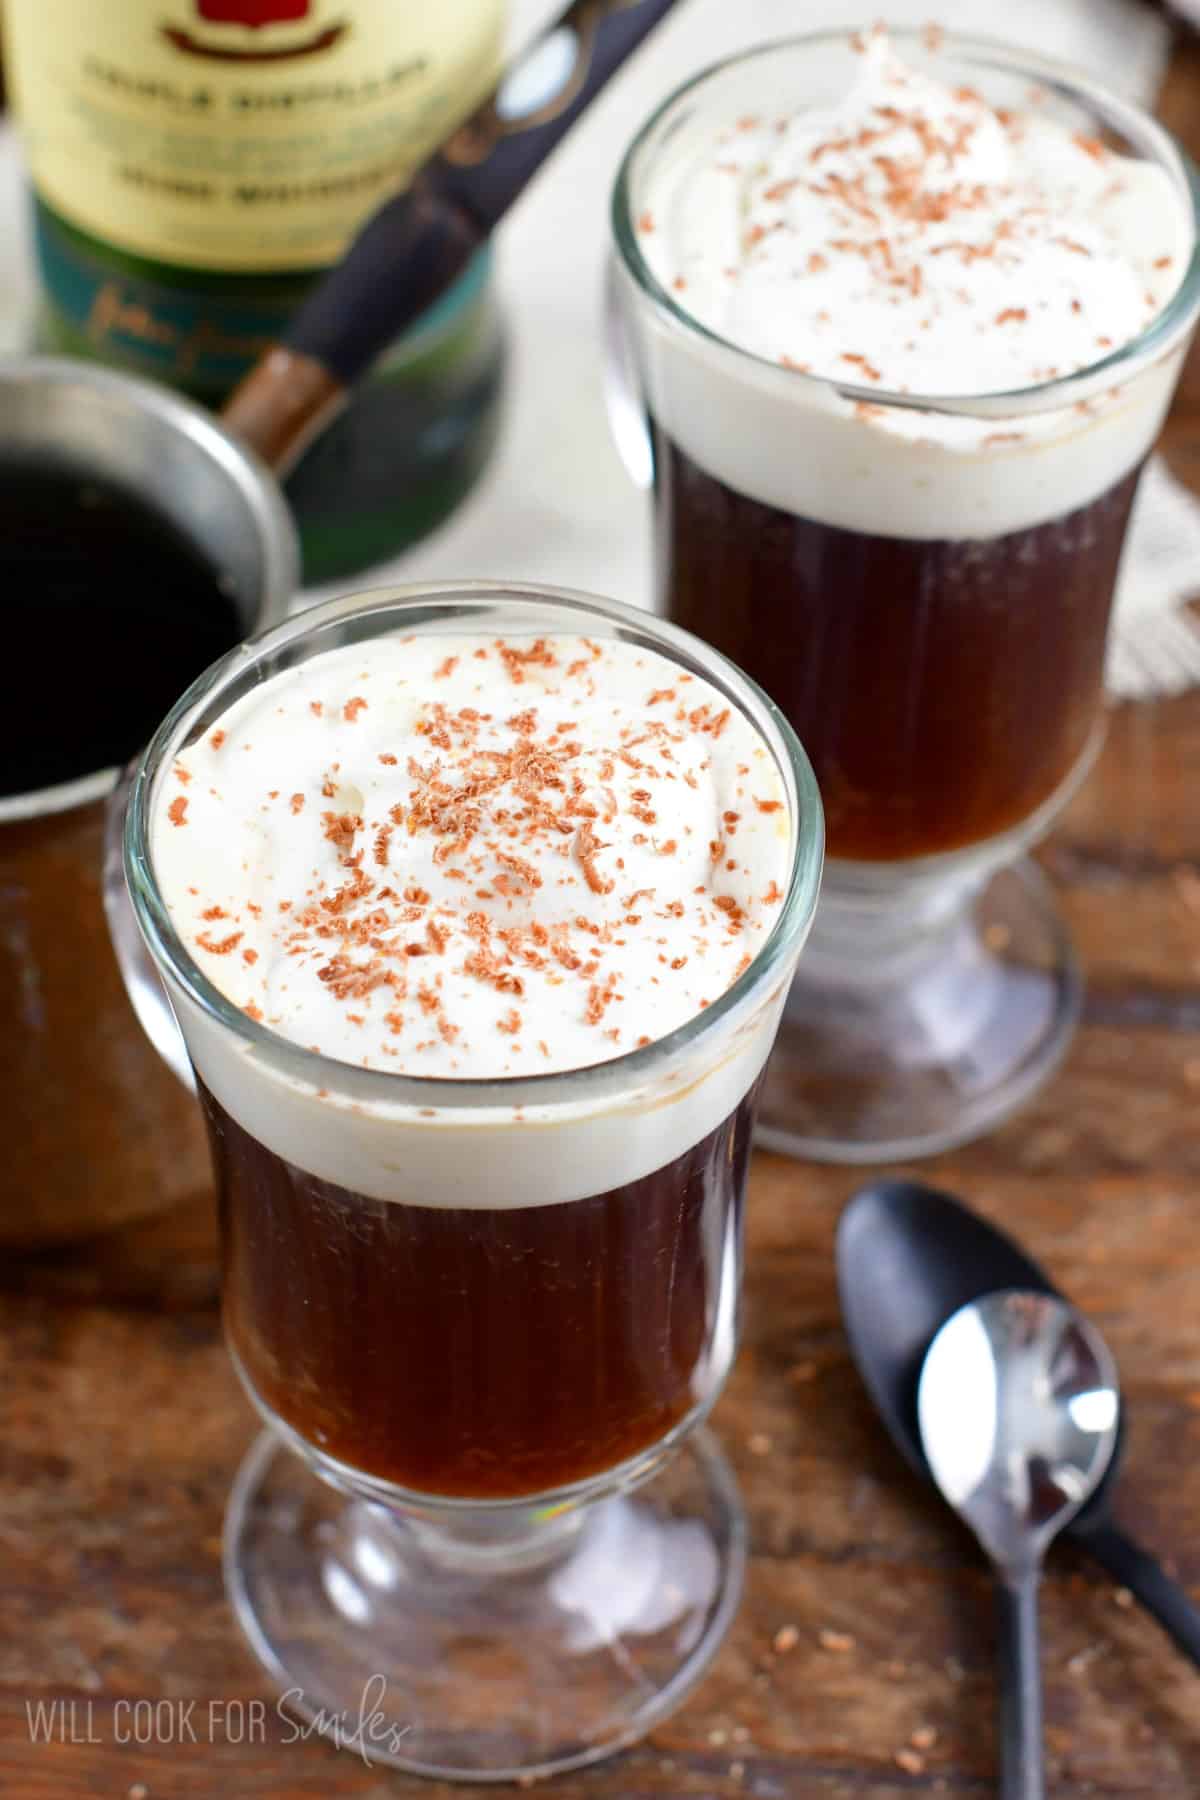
(196, 164)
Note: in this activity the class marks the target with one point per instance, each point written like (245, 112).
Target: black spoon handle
(1019, 1657)
(1147, 1580)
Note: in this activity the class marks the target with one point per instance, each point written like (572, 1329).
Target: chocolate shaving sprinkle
(532, 809)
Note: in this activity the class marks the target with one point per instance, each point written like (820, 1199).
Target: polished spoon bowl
(908, 1257)
(1018, 1408)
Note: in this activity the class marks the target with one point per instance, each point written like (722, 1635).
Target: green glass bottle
(197, 164)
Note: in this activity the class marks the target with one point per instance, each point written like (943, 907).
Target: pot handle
(412, 250)
(143, 983)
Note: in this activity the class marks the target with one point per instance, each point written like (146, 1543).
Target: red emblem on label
(253, 12)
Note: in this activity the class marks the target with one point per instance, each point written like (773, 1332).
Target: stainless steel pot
(96, 1130)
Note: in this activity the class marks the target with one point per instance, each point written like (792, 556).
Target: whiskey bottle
(197, 164)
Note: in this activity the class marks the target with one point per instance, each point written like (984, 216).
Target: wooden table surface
(860, 1662)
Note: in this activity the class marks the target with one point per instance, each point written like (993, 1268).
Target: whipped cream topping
(475, 856)
(911, 238)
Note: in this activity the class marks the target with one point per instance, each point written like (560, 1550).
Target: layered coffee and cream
(923, 587)
(477, 858)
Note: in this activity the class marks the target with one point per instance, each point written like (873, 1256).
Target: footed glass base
(920, 1017)
(485, 1643)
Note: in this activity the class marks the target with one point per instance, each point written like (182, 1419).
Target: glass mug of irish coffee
(477, 909)
(905, 319)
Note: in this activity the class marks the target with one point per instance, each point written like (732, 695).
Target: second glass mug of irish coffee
(923, 584)
(484, 1320)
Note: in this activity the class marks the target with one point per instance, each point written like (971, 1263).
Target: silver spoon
(1018, 1409)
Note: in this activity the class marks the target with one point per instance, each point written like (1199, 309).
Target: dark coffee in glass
(480, 1352)
(944, 688)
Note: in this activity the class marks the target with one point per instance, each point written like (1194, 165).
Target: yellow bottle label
(239, 135)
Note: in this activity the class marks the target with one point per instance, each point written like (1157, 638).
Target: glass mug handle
(622, 388)
(143, 984)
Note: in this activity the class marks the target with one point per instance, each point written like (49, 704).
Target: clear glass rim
(612, 1079)
(1164, 330)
